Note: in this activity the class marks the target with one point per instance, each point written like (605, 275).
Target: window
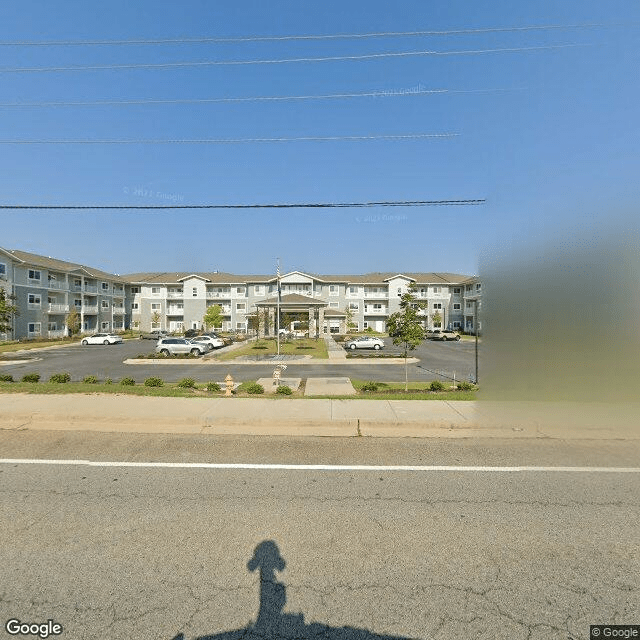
(155, 306)
(241, 326)
(34, 328)
(241, 307)
(333, 290)
(334, 305)
(134, 306)
(354, 306)
(353, 291)
(135, 290)
(365, 325)
(423, 292)
(52, 326)
(437, 305)
(456, 324)
(194, 292)
(478, 287)
(105, 304)
(105, 286)
(3, 269)
(436, 289)
(456, 290)
(77, 303)
(104, 326)
(456, 306)
(34, 275)
(77, 283)
(377, 307)
(240, 291)
(155, 291)
(34, 300)
(155, 325)
(258, 290)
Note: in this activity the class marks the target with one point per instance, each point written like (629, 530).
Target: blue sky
(547, 136)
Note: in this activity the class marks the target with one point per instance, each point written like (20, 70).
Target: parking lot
(437, 360)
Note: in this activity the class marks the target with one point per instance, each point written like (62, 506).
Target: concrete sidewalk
(380, 418)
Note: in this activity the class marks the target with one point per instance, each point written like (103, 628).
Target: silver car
(365, 342)
(174, 346)
(209, 341)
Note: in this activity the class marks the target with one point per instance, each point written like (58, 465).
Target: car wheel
(457, 338)
(376, 347)
(84, 343)
(352, 347)
(106, 342)
(195, 352)
(164, 352)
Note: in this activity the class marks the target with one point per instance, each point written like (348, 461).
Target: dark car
(190, 333)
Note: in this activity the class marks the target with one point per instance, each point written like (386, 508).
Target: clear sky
(546, 132)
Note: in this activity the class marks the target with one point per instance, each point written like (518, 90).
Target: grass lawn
(10, 347)
(299, 347)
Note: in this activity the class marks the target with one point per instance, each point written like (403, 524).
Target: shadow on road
(271, 623)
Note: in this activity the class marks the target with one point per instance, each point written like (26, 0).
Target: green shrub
(6, 377)
(284, 390)
(127, 382)
(31, 377)
(108, 381)
(90, 380)
(60, 378)
(437, 385)
(187, 383)
(370, 386)
(154, 382)
(466, 386)
(254, 388)
(213, 386)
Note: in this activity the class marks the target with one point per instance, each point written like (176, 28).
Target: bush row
(436, 385)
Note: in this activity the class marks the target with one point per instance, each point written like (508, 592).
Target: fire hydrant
(229, 382)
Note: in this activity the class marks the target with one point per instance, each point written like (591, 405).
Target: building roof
(47, 262)
(292, 298)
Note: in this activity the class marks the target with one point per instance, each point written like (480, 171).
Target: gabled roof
(293, 298)
(194, 275)
(46, 262)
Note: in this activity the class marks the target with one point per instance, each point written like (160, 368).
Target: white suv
(173, 346)
(209, 341)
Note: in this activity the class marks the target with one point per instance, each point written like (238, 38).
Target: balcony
(375, 312)
(218, 294)
(57, 308)
(175, 294)
(57, 284)
(175, 311)
(88, 288)
(118, 311)
(89, 310)
(377, 295)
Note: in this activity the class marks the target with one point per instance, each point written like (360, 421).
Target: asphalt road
(438, 360)
(120, 553)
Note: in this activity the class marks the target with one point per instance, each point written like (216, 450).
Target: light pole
(278, 306)
(475, 322)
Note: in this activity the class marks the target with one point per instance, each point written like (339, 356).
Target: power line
(408, 136)
(298, 205)
(334, 36)
(215, 63)
(381, 93)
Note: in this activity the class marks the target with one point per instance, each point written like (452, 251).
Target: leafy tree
(155, 319)
(405, 326)
(349, 319)
(73, 321)
(437, 319)
(213, 317)
(7, 311)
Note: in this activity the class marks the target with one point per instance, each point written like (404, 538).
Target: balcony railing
(57, 308)
(218, 294)
(90, 288)
(56, 284)
(118, 310)
(86, 309)
(58, 333)
(368, 294)
(374, 312)
(34, 334)
(175, 311)
(175, 294)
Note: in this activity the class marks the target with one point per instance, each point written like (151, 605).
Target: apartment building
(46, 289)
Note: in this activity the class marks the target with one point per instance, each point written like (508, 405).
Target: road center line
(316, 467)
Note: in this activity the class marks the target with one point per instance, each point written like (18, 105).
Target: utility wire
(220, 63)
(408, 136)
(334, 36)
(381, 93)
(298, 205)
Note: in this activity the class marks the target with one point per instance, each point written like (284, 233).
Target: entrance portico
(302, 307)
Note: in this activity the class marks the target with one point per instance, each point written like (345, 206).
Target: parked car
(364, 342)
(190, 333)
(101, 338)
(211, 342)
(173, 346)
(442, 334)
(156, 334)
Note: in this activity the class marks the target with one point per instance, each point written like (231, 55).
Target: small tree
(7, 311)
(260, 318)
(155, 319)
(213, 317)
(437, 319)
(405, 326)
(349, 319)
(73, 321)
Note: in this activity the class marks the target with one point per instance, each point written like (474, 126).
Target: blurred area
(560, 312)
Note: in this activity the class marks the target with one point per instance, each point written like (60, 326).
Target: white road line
(316, 467)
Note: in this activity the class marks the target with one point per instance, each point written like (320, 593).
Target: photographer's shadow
(272, 623)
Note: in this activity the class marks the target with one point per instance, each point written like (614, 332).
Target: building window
(34, 275)
(456, 306)
(334, 305)
(105, 304)
(354, 306)
(365, 325)
(241, 307)
(155, 291)
(333, 290)
(34, 328)
(437, 305)
(104, 326)
(436, 289)
(3, 269)
(155, 325)
(258, 290)
(377, 307)
(194, 292)
(105, 286)
(456, 290)
(478, 287)
(241, 326)
(457, 324)
(240, 291)
(155, 306)
(135, 290)
(77, 303)
(353, 291)
(134, 306)
(34, 300)
(52, 326)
